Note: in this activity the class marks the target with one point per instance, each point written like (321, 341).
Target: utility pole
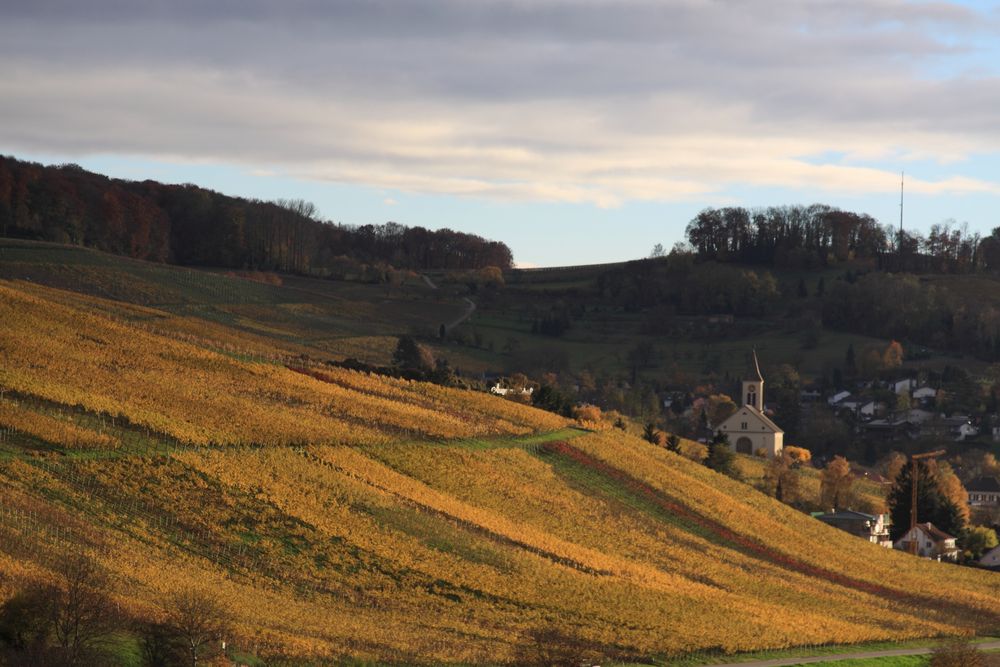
(902, 176)
(913, 494)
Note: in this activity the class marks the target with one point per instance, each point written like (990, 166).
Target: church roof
(774, 428)
(984, 484)
(764, 418)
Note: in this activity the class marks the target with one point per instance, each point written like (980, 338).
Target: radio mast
(901, 176)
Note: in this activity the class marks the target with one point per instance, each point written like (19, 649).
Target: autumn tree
(836, 483)
(719, 408)
(953, 489)
(781, 477)
(892, 356)
(977, 540)
(891, 464)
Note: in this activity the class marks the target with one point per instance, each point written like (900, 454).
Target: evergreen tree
(674, 443)
(720, 457)
(850, 362)
(932, 504)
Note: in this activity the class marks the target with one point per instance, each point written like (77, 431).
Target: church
(749, 429)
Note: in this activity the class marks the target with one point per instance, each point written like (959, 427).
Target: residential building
(871, 527)
(984, 491)
(991, 558)
(931, 542)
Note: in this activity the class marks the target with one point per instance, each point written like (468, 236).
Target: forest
(191, 225)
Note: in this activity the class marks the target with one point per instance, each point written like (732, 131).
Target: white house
(838, 397)
(931, 542)
(869, 408)
(749, 429)
(500, 390)
(924, 394)
(961, 428)
(991, 558)
(904, 386)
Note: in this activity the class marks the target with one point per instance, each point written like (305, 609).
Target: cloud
(592, 101)
(389, 201)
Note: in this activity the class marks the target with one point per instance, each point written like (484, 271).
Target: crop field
(338, 514)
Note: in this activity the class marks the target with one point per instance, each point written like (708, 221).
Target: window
(743, 426)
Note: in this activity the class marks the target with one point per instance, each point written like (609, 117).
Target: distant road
(832, 657)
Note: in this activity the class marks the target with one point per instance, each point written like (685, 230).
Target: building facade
(750, 430)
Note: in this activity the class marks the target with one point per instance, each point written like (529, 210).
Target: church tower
(753, 388)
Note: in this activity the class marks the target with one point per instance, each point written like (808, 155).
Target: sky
(576, 131)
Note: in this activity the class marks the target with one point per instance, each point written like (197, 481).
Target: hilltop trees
(191, 225)
(785, 235)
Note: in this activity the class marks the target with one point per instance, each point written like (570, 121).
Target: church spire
(753, 386)
(755, 374)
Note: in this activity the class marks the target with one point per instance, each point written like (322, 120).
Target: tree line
(818, 235)
(187, 224)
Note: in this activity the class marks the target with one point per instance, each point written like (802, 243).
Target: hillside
(193, 438)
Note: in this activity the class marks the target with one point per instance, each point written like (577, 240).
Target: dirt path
(470, 308)
(836, 657)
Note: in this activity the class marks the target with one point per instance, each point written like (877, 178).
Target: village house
(871, 527)
(904, 386)
(991, 558)
(984, 491)
(959, 428)
(837, 397)
(931, 542)
(501, 390)
(749, 429)
(924, 395)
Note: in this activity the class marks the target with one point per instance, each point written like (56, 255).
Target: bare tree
(199, 622)
(85, 617)
(67, 623)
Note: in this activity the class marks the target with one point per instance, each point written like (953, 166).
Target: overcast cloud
(599, 102)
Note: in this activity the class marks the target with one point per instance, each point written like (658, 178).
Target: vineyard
(337, 514)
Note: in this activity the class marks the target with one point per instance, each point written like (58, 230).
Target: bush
(957, 653)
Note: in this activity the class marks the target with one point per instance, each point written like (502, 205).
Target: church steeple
(753, 386)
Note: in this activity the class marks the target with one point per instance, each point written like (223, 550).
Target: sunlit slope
(269, 314)
(338, 513)
(186, 394)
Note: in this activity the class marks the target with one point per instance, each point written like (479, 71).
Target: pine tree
(932, 504)
(720, 457)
